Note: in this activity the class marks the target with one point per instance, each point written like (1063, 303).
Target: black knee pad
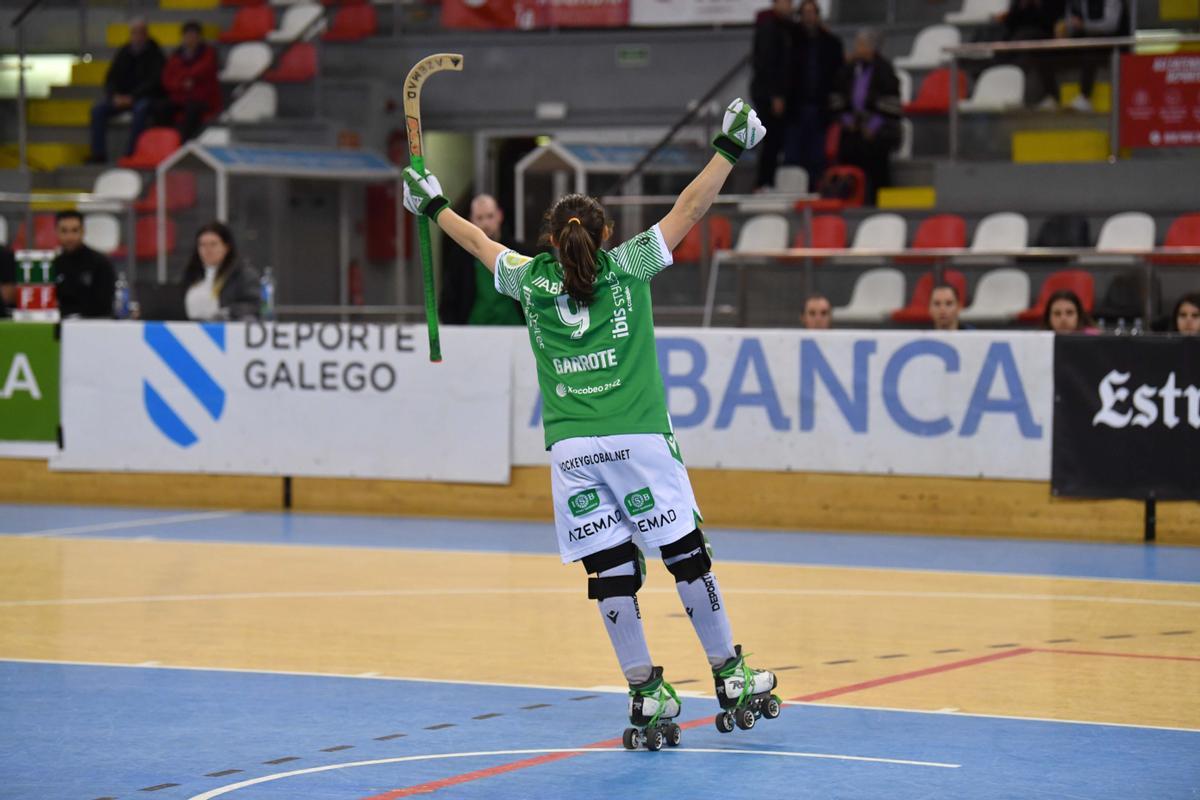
(615, 585)
(687, 570)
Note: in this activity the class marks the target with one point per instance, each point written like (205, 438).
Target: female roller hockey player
(615, 465)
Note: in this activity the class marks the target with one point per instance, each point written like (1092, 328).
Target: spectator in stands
(1187, 314)
(1089, 19)
(1065, 314)
(469, 296)
(817, 58)
(84, 279)
(216, 284)
(133, 84)
(190, 80)
(866, 104)
(770, 70)
(1033, 20)
(818, 313)
(8, 280)
(944, 307)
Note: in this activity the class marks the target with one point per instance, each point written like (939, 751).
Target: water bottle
(1137, 327)
(1120, 330)
(266, 296)
(120, 303)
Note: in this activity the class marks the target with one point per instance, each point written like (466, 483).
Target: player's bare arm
(423, 195)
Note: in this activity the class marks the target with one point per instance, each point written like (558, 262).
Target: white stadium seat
(905, 150)
(998, 89)
(763, 232)
(256, 104)
(1000, 295)
(3, 231)
(906, 84)
(876, 294)
(102, 232)
(215, 135)
(791, 179)
(927, 50)
(977, 12)
(880, 232)
(246, 61)
(1131, 230)
(1004, 230)
(295, 20)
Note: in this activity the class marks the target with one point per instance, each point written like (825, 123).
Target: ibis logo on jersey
(639, 502)
(584, 502)
(622, 305)
(188, 376)
(589, 362)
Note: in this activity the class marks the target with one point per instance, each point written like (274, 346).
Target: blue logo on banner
(190, 373)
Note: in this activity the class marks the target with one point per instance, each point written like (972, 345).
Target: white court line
(233, 787)
(621, 690)
(123, 525)
(510, 590)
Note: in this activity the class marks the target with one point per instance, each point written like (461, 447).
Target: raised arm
(423, 195)
(740, 131)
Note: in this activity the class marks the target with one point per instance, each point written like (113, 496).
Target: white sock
(623, 620)
(705, 605)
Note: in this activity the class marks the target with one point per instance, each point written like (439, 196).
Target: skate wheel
(724, 722)
(744, 718)
(674, 734)
(654, 738)
(630, 739)
(770, 707)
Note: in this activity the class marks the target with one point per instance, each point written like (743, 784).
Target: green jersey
(597, 364)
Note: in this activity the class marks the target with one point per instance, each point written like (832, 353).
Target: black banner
(1127, 417)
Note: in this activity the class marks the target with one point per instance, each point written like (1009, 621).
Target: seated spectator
(1186, 317)
(134, 84)
(190, 80)
(817, 59)
(8, 280)
(84, 279)
(1065, 314)
(1087, 19)
(216, 284)
(944, 307)
(469, 296)
(818, 313)
(769, 73)
(1033, 20)
(866, 105)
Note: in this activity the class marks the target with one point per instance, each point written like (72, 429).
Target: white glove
(423, 193)
(740, 130)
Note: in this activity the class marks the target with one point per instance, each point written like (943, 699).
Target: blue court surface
(88, 732)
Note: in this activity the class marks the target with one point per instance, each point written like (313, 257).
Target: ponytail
(577, 224)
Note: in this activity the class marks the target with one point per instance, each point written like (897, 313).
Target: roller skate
(744, 694)
(651, 707)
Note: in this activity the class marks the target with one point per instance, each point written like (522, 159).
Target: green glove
(423, 194)
(740, 131)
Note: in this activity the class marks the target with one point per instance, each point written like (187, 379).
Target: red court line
(467, 777)
(1114, 655)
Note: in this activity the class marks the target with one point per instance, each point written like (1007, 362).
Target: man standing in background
(469, 296)
(817, 59)
(769, 79)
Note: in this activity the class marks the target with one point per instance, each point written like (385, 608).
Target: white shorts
(607, 488)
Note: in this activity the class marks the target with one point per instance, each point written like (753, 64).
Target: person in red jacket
(190, 81)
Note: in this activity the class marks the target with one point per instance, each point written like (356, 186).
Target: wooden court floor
(1101, 650)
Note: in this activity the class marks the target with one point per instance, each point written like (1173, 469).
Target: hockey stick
(412, 116)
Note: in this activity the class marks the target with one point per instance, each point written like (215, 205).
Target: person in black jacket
(817, 59)
(134, 84)
(770, 74)
(469, 296)
(84, 279)
(216, 284)
(8, 280)
(866, 104)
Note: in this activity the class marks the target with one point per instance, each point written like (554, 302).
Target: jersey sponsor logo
(533, 319)
(658, 521)
(584, 503)
(589, 362)
(515, 260)
(562, 390)
(639, 502)
(711, 586)
(592, 459)
(548, 286)
(594, 527)
(621, 307)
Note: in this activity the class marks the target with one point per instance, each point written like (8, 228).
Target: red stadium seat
(146, 236)
(1184, 232)
(1078, 281)
(44, 237)
(153, 146)
(829, 233)
(939, 232)
(352, 23)
(691, 249)
(181, 193)
(934, 95)
(252, 24)
(917, 310)
(298, 64)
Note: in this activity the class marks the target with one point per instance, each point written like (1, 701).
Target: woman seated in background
(1065, 314)
(216, 284)
(1186, 318)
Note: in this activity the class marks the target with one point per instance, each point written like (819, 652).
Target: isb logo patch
(639, 502)
(584, 502)
(187, 373)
